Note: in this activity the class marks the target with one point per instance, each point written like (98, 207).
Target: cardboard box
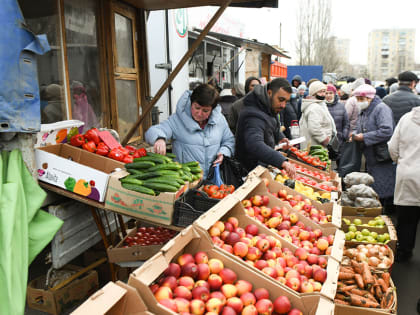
(56, 133)
(390, 229)
(134, 253)
(190, 241)
(254, 185)
(332, 208)
(152, 208)
(76, 170)
(351, 310)
(54, 302)
(113, 298)
(230, 207)
(366, 212)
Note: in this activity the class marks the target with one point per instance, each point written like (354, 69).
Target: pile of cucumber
(156, 173)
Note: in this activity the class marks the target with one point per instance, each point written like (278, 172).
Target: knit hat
(302, 87)
(346, 88)
(315, 87)
(331, 88)
(365, 90)
(357, 83)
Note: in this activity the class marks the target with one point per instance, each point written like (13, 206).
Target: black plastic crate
(190, 206)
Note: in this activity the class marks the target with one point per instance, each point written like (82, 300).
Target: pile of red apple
(287, 224)
(302, 271)
(199, 285)
(146, 236)
(304, 206)
(316, 174)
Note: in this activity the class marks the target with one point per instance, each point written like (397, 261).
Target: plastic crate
(190, 206)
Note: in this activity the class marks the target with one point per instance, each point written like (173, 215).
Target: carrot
(356, 266)
(357, 300)
(359, 281)
(382, 284)
(346, 269)
(348, 282)
(340, 296)
(348, 288)
(337, 301)
(388, 299)
(363, 293)
(345, 275)
(378, 292)
(368, 279)
(386, 276)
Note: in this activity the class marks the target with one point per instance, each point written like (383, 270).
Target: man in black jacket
(258, 128)
(403, 100)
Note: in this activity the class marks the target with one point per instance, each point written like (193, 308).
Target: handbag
(351, 158)
(334, 148)
(381, 152)
(231, 172)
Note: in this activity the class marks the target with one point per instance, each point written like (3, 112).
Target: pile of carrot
(359, 286)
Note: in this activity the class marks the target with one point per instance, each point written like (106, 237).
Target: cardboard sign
(109, 139)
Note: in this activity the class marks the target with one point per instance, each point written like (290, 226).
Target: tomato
(213, 189)
(217, 195)
(230, 188)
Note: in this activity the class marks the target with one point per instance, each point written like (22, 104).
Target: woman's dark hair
(248, 82)
(205, 95)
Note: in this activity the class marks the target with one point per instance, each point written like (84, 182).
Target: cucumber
(148, 175)
(186, 168)
(133, 171)
(140, 165)
(159, 156)
(196, 176)
(169, 166)
(315, 147)
(131, 180)
(161, 187)
(179, 180)
(150, 159)
(140, 189)
(195, 170)
(163, 180)
(192, 164)
(170, 155)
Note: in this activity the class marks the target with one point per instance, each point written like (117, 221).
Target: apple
(265, 198)
(224, 235)
(261, 264)
(265, 212)
(217, 241)
(282, 193)
(312, 259)
(243, 286)
(317, 286)
(282, 280)
(250, 211)
(216, 265)
(169, 303)
(170, 282)
(201, 258)
(257, 210)
(247, 241)
(232, 238)
(229, 290)
(235, 303)
(304, 235)
(253, 253)
(189, 269)
(279, 270)
(234, 221)
(228, 227)
(173, 270)
(295, 311)
(240, 231)
(257, 200)
(330, 239)
(291, 261)
(318, 233)
(320, 275)
(187, 282)
(249, 310)
(197, 307)
(163, 293)
(201, 293)
(293, 283)
(228, 276)
(308, 271)
(182, 292)
(299, 268)
(261, 293)
(182, 305)
(240, 249)
(215, 231)
(219, 295)
(282, 305)
(301, 253)
(264, 307)
(215, 282)
(214, 305)
(268, 255)
(227, 248)
(292, 273)
(154, 287)
(185, 259)
(220, 225)
(270, 271)
(306, 287)
(248, 298)
(322, 262)
(202, 283)
(263, 245)
(246, 203)
(227, 310)
(203, 271)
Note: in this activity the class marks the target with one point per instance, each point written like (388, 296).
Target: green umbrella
(24, 229)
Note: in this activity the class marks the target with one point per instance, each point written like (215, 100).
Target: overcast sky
(351, 19)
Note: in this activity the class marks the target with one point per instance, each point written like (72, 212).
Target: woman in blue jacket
(198, 130)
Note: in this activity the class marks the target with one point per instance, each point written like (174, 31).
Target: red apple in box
(214, 305)
(315, 251)
(215, 265)
(320, 275)
(224, 235)
(218, 295)
(228, 227)
(265, 211)
(170, 282)
(234, 221)
(322, 244)
(322, 262)
(227, 310)
(243, 286)
(257, 210)
(251, 229)
(255, 239)
(168, 303)
(301, 253)
(215, 231)
(306, 287)
(330, 239)
(228, 276)
(273, 222)
(201, 293)
(154, 287)
(163, 293)
(227, 248)
(264, 307)
(282, 193)
(235, 303)
(182, 305)
(260, 264)
(197, 307)
(253, 253)
(189, 269)
(229, 290)
(282, 280)
(203, 271)
(293, 218)
(263, 245)
(265, 200)
(248, 298)
(257, 200)
(187, 282)
(317, 286)
(240, 249)
(250, 211)
(215, 282)
(293, 283)
(261, 293)
(217, 241)
(246, 240)
(292, 274)
(281, 261)
(201, 258)
(312, 259)
(202, 283)
(282, 305)
(295, 311)
(246, 203)
(270, 271)
(270, 255)
(185, 259)
(291, 261)
(308, 272)
(249, 310)
(173, 270)
(299, 268)
(240, 231)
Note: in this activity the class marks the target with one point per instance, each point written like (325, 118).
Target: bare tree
(314, 43)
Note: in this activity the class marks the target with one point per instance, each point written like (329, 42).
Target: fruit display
(218, 192)
(377, 256)
(316, 174)
(91, 141)
(155, 173)
(359, 285)
(365, 235)
(302, 271)
(303, 156)
(305, 190)
(376, 222)
(328, 186)
(202, 285)
(145, 236)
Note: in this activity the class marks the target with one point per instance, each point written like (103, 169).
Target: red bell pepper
(102, 149)
(116, 154)
(77, 140)
(89, 146)
(93, 135)
(128, 159)
(140, 153)
(124, 150)
(131, 149)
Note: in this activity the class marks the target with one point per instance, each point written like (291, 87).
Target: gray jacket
(401, 102)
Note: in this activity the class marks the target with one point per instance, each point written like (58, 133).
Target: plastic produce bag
(367, 202)
(346, 201)
(356, 178)
(214, 175)
(231, 172)
(361, 191)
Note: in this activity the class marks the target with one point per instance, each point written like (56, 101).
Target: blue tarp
(19, 90)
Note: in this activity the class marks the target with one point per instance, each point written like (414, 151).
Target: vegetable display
(366, 235)
(316, 174)
(305, 157)
(218, 192)
(155, 173)
(377, 256)
(305, 190)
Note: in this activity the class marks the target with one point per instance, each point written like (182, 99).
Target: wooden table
(95, 207)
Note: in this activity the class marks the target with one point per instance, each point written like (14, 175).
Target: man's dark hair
(248, 82)
(205, 95)
(278, 83)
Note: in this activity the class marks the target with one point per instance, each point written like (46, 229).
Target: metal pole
(178, 68)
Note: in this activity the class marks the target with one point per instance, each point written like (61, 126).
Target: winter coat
(189, 141)
(377, 124)
(287, 115)
(352, 112)
(226, 103)
(316, 123)
(258, 131)
(401, 102)
(296, 78)
(233, 115)
(405, 151)
(341, 120)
